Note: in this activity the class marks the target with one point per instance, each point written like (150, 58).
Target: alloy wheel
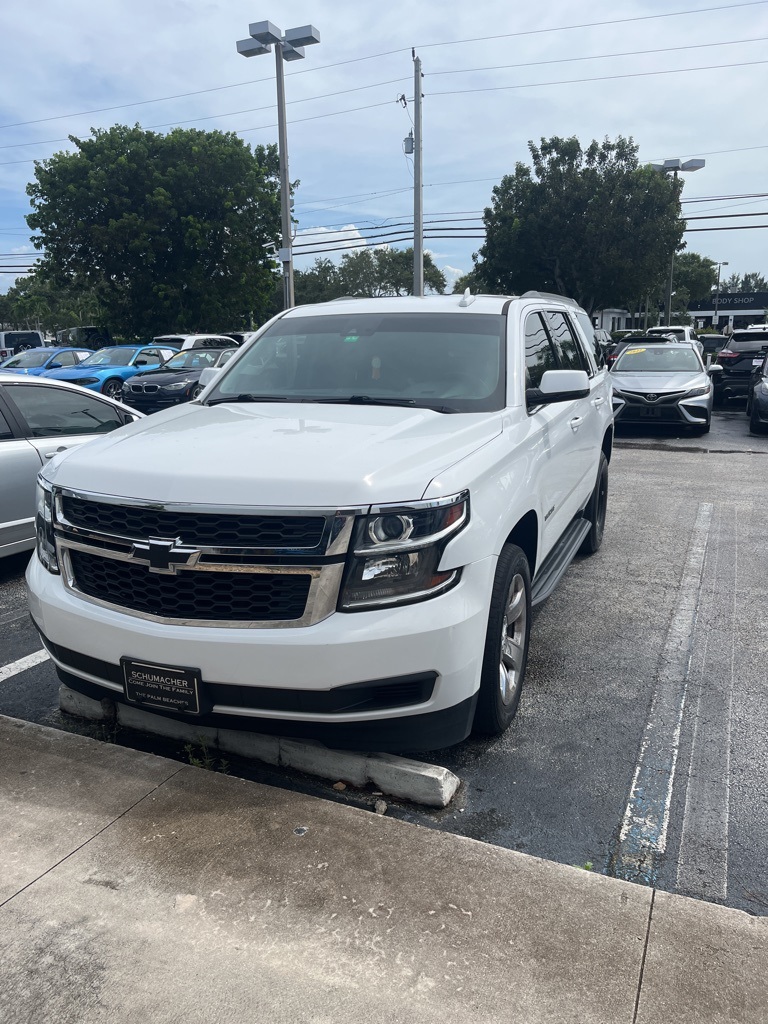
(513, 634)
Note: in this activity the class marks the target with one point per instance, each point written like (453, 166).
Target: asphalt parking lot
(639, 748)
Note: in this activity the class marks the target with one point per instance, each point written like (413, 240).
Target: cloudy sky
(684, 78)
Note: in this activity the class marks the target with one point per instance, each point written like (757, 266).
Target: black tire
(112, 388)
(506, 649)
(705, 429)
(596, 509)
(755, 426)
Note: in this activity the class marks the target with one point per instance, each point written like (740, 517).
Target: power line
(376, 56)
(596, 56)
(602, 78)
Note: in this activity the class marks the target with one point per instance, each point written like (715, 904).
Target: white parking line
(22, 665)
(646, 818)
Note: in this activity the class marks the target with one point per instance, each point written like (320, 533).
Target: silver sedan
(663, 383)
(38, 419)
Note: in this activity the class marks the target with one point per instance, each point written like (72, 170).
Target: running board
(557, 561)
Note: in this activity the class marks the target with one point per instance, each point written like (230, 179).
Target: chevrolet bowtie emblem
(164, 555)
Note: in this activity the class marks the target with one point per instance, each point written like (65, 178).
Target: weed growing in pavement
(586, 866)
(199, 756)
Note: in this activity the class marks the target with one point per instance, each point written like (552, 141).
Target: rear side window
(567, 348)
(539, 354)
(55, 412)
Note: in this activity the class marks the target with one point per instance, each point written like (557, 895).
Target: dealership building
(736, 309)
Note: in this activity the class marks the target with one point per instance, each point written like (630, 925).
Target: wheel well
(607, 444)
(526, 536)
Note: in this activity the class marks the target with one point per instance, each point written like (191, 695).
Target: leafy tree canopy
(589, 223)
(367, 272)
(169, 232)
(749, 282)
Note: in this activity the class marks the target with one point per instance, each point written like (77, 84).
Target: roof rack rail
(548, 295)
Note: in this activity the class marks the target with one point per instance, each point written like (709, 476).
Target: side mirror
(141, 362)
(559, 386)
(54, 366)
(209, 374)
(714, 368)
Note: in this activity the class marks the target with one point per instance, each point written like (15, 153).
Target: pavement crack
(642, 961)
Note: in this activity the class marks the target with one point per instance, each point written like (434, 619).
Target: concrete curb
(414, 781)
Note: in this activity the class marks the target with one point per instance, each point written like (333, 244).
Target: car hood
(76, 372)
(277, 455)
(167, 376)
(659, 382)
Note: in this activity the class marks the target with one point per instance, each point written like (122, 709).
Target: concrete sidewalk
(135, 889)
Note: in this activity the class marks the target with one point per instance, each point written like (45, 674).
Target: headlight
(396, 554)
(699, 391)
(176, 387)
(46, 545)
(88, 380)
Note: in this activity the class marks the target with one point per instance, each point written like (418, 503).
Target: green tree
(590, 223)
(752, 281)
(169, 232)
(470, 280)
(318, 284)
(366, 272)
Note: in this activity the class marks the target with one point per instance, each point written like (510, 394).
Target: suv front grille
(213, 596)
(206, 529)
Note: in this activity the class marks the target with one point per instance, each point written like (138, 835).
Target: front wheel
(596, 509)
(506, 644)
(197, 390)
(112, 388)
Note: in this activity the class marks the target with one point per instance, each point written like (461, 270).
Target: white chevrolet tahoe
(343, 538)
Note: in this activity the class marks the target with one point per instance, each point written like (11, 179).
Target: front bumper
(693, 412)
(442, 638)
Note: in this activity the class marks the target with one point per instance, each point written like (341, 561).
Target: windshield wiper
(249, 398)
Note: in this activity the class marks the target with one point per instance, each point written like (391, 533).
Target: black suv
(745, 350)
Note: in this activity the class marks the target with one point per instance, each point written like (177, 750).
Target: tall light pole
(288, 46)
(666, 167)
(418, 187)
(717, 293)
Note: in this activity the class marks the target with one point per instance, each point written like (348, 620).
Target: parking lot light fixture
(263, 35)
(675, 167)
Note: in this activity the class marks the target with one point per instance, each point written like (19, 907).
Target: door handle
(50, 455)
(576, 422)
(598, 401)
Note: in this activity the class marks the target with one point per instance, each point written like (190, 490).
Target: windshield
(431, 360)
(191, 359)
(658, 359)
(110, 357)
(35, 357)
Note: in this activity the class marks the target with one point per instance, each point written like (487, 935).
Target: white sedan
(38, 419)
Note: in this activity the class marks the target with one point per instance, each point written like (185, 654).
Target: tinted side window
(65, 358)
(5, 429)
(590, 333)
(539, 354)
(52, 412)
(567, 348)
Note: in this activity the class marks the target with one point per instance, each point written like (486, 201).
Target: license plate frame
(162, 687)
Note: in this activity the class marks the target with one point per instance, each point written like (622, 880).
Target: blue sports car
(106, 369)
(37, 360)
